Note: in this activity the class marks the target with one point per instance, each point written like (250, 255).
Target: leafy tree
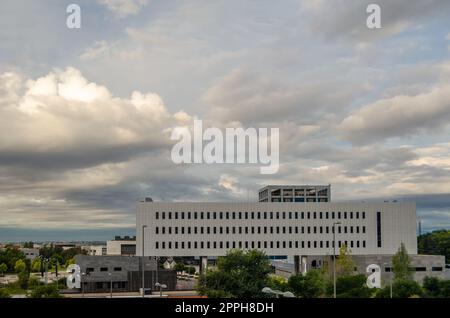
(19, 266)
(435, 243)
(436, 288)
(401, 288)
(28, 244)
(24, 277)
(310, 285)
(36, 265)
(190, 270)
(401, 264)
(344, 263)
(179, 267)
(350, 286)
(4, 293)
(238, 274)
(10, 255)
(277, 283)
(45, 291)
(431, 286)
(3, 268)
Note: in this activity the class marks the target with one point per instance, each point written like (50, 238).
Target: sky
(86, 114)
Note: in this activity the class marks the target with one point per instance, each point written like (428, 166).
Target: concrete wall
(398, 224)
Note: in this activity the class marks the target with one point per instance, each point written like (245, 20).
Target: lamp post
(82, 283)
(161, 286)
(143, 261)
(110, 285)
(334, 258)
(390, 279)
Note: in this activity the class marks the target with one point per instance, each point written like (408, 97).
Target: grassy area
(14, 289)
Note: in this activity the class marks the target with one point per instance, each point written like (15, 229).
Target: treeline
(249, 274)
(435, 243)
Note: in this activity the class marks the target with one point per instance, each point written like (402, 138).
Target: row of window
(102, 269)
(255, 244)
(258, 229)
(258, 215)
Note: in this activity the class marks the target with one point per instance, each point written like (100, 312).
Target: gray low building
(124, 272)
(423, 265)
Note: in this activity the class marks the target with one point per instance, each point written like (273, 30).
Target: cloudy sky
(86, 114)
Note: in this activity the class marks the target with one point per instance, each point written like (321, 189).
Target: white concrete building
(295, 193)
(286, 229)
(125, 245)
(30, 253)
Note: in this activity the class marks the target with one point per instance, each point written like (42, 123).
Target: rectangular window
(117, 269)
(379, 229)
(157, 215)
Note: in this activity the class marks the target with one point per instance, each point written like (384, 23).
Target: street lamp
(82, 283)
(110, 285)
(390, 280)
(161, 287)
(277, 293)
(334, 258)
(143, 262)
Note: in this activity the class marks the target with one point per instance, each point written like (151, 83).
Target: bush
(24, 278)
(351, 286)
(436, 288)
(401, 288)
(310, 285)
(45, 291)
(190, 270)
(4, 293)
(277, 283)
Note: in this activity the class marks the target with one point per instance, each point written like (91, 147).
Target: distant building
(124, 272)
(423, 265)
(30, 253)
(295, 193)
(121, 245)
(95, 249)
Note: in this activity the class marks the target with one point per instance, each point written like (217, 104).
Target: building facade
(292, 193)
(121, 245)
(124, 273)
(286, 229)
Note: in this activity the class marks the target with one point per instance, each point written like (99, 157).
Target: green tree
(10, 255)
(36, 265)
(436, 288)
(350, 286)
(45, 291)
(238, 274)
(401, 264)
(19, 266)
(401, 288)
(28, 244)
(24, 277)
(311, 285)
(4, 293)
(432, 286)
(277, 283)
(190, 270)
(435, 243)
(179, 267)
(344, 263)
(3, 268)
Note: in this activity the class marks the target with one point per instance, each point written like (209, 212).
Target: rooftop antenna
(420, 227)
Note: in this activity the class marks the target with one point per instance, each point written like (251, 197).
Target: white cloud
(398, 115)
(124, 8)
(63, 111)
